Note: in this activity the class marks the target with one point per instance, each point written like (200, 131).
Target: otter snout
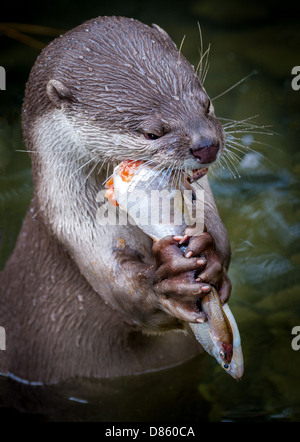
(205, 150)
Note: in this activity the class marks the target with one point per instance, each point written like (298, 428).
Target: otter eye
(208, 107)
(151, 136)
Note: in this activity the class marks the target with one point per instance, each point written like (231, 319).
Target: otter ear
(162, 31)
(164, 35)
(58, 93)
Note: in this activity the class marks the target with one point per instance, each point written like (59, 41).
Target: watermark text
(156, 208)
(296, 340)
(2, 79)
(2, 338)
(296, 80)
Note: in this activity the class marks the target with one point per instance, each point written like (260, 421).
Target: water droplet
(176, 97)
(248, 139)
(142, 71)
(152, 81)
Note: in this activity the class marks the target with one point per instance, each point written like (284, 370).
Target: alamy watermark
(296, 80)
(2, 338)
(296, 340)
(154, 208)
(2, 79)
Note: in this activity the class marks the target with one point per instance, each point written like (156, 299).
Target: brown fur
(73, 303)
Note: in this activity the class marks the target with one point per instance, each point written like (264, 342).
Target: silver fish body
(144, 198)
(203, 334)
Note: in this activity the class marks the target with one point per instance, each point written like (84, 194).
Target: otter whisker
(76, 161)
(233, 156)
(225, 161)
(198, 68)
(246, 124)
(173, 174)
(241, 147)
(231, 159)
(92, 170)
(239, 141)
(108, 176)
(83, 165)
(26, 151)
(205, 74)
(247, 148)
(158, 168)
(245, 120)
(180, 47)
(248, 131)
(233, 153)
(206, 66)
(101, 167)
(176, 175)
(168, 173)
(212, 170)
(243, 126)
(234, 85)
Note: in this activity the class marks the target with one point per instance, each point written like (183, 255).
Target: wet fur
(72, 300)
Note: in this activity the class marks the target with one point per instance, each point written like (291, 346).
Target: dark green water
(259, 204)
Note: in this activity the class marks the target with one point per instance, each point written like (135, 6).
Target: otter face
(128, 93)
(195, 140)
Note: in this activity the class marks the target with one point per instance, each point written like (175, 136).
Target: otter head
(118, 90)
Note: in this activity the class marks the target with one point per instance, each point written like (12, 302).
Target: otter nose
(205, 150)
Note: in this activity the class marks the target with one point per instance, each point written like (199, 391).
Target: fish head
(234, 367)
(225, 350)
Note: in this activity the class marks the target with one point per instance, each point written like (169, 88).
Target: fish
(218, 338)
(131, 188)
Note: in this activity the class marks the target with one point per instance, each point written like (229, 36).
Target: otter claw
(184, 238)
(178, 238)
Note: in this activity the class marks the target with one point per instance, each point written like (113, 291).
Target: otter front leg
(165, 295)
(182, 278)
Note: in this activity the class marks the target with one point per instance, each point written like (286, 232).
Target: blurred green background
(257, 194)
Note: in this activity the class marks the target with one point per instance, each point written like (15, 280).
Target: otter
(78, 298)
